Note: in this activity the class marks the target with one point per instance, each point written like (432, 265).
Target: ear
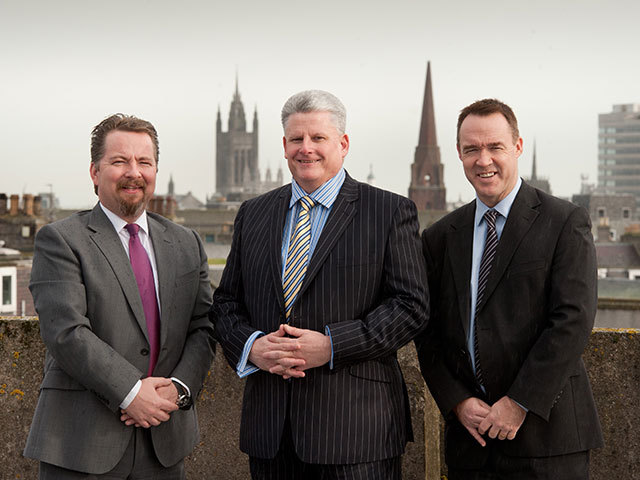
(344, 145)
(458, 150)
(519, 145)
(93, 171)
(284, 146)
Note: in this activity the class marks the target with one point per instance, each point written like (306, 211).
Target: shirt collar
(503, 206)
(324, 195)
(118, 223)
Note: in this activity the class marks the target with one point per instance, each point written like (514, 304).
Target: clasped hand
(153, 404)
(502, 420)
(289, 351)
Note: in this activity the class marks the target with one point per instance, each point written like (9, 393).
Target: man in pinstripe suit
(323, 284)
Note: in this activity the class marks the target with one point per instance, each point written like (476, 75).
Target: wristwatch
(184, 399)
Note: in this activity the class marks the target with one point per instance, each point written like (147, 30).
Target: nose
(305, 146)
(132, 170)
(484, 158)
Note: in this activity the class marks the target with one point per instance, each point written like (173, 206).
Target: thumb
(160, 381)
(296, 332)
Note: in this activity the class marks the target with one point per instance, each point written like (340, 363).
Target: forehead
(485, 129)
(120, 141)
(309, 121)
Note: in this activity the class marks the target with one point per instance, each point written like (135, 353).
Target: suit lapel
(460, 249)
(521, 217)
(166, 267)
(342, 213)
(276, 229)
(107, 240)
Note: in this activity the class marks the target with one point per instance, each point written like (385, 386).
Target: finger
(477, 436)
(296, 332)
(285, 343)
(494, 431)
(160, 381)
(290, 362)
(293, 373)
(502, 435)
(484, 426)
(512, 434)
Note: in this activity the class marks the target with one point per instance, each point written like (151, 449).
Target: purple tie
(144, 278)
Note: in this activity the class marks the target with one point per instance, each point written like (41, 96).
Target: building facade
(619, 150)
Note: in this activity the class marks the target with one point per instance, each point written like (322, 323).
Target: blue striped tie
(490, 246)
(297, 255)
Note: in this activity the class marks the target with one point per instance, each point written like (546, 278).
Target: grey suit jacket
(533, 323)
(367, 282)
(93, 325)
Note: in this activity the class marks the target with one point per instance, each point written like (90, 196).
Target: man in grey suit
(512, 276)
(122, 296)
(323, 284)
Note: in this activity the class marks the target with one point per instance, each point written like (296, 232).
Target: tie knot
(490, 217)
(132, 228)
(307, 203)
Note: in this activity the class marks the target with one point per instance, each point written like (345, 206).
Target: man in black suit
(323, 284)
(514, 300)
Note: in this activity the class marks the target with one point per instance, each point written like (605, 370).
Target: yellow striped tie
(297, 255)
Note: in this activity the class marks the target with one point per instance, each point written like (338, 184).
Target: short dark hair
(122, 122)
(486, 107)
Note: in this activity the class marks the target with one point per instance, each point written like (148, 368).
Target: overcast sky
(66, 65)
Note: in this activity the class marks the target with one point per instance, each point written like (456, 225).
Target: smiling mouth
(486, 174)
(307, 160)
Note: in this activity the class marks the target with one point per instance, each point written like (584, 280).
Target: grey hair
(316, 101)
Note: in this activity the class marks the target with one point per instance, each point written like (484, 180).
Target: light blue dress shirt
(479, 237)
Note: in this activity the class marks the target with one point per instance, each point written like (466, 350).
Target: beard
(133, 208)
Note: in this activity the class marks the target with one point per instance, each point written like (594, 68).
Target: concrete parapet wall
(612, 357)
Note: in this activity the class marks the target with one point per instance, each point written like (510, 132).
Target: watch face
(184, 401)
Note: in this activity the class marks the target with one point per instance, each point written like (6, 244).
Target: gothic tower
(236, 150)
(427, 180)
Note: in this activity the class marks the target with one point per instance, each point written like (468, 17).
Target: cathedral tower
(236, 150)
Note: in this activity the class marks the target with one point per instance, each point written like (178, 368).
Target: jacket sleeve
(403, 306)
(572, 305)
(228, 312)
(198, 350)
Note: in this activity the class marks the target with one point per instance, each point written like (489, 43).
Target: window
(626, 213)
(601, 212)
(209, 238)
(8, 303)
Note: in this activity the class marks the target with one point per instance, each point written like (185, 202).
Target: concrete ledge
(612, 358)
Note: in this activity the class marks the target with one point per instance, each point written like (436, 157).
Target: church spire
(534, 173)
(428, 122)
(427, 188)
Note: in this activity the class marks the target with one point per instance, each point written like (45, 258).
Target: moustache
(128, 183)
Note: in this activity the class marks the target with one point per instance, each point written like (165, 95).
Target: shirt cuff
(183, 384)
(131, 395)
(245, 368)
(521, 406)
(327, 332)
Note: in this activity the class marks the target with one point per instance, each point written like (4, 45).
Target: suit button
(144, 352)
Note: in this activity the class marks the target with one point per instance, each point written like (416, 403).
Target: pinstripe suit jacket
(367, 281)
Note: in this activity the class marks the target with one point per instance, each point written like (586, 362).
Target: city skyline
(70, 64)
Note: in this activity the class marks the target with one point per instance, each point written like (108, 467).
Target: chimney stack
(3, 203)
(27, 203)
(13, 209)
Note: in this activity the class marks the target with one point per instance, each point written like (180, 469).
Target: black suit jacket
(365, 280)
(533, 324)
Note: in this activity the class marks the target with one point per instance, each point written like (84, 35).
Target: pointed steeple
(237, 121)
(370, 178)
(218, 121)
(171, 186)
(427, 188)
(255, 118)
(428, 122)
(534, 174)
